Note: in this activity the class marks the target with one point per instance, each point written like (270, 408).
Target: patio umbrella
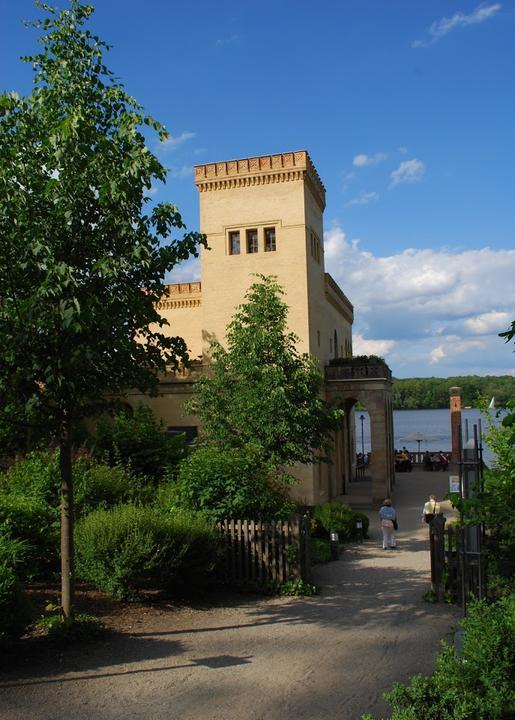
(418, 438)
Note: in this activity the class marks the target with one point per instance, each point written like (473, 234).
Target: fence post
(437, 545)
(305, 548)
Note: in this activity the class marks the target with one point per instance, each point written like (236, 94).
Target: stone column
(455, 406)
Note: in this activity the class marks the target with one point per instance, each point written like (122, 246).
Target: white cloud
(436, 355)
(408, 171)
(436, 307)
(490, 322)
(364, 160)
(187, 271)
(174, 141)
(363, 199)
(442, 27)
(403, 149)
(362, 346)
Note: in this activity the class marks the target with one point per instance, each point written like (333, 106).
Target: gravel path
(331, 656)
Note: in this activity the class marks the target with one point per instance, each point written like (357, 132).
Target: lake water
(433, 423)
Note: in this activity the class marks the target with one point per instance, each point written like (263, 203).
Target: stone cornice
(262, 170)
(181, 295)
(337, 298)
(175, 304)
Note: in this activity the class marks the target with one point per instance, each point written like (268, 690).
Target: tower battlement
(262, 170)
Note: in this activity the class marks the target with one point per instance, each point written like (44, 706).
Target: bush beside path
(329, 656)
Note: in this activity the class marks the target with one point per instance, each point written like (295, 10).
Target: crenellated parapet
(263, 170)
(181, 295)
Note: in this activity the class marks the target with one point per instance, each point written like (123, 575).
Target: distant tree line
(420, 393)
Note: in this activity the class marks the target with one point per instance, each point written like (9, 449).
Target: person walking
(388, 519)
(431, 508)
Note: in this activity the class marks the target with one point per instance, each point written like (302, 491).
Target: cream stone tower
(264, 215)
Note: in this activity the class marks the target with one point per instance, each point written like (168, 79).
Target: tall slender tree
(260, 390)
(82, 260)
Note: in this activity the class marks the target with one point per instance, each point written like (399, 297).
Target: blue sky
(406, 109)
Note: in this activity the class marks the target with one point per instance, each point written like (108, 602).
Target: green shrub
(320, 550)
(36, 523)
(476, 684)
(129, 548)
(37, 475)
(14, 609)
(335, 515)
(138, 441)
(82, 627)
(230, 483)
(99, 486)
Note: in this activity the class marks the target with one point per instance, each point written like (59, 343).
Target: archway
(369, 383)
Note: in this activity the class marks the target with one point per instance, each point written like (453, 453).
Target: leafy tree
(82, 262)
(228, 483)
(260, 390)
(138, 442)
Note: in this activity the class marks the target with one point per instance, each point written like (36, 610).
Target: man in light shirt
(431, 508)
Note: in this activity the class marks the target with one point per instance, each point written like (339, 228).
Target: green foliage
(320, 551)
(102, 486)
(14, 609)
(29, 502)
(138, 442)
(475, 684)
(494, 504)
(129, 549)
(228, 483)
(36, 478)
(296, 587)
(261, 390)
(36, 475)
(82, 263)
(335, 515)
(36, 523)
(81, 627)
(509, 334)
(421, 393)
(82, 260)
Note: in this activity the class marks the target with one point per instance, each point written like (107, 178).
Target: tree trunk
(67, 574)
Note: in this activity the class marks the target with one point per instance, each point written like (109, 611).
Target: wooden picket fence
(260, 552)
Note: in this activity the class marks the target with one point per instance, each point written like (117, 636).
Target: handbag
(429, 517)
(395, 525)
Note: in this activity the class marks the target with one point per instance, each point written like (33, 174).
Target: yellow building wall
(281, 191)
(226, 278)
(182, 308)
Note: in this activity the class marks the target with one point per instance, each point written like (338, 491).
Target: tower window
(234, 242)
(252, 241)
(270, 239)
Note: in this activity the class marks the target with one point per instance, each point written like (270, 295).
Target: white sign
(454, 483)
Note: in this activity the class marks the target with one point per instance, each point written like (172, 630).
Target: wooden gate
(257, 552)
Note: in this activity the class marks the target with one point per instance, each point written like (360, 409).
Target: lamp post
(362, 418)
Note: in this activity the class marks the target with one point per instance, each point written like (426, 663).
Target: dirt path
(330, 656)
